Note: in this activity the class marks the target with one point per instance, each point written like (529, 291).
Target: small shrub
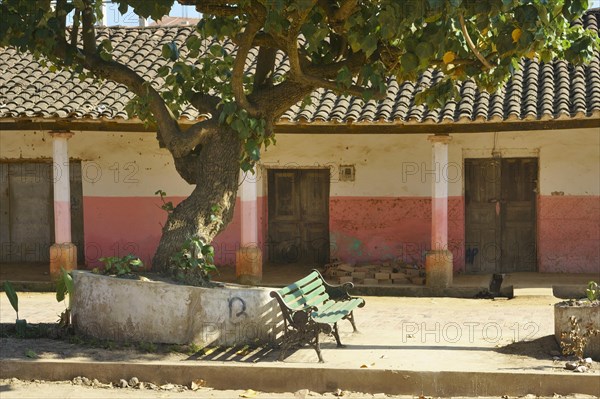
(64, 287)
(573, 342)
(120, 266)
(147, 347)
(194, 263)
(593, 291)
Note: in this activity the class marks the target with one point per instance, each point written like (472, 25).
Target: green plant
(194, 263)
(147, 347)
(593, 291)
(13, 298)
(119, 266)
(167, 206)
(64, 287)
(574, 341)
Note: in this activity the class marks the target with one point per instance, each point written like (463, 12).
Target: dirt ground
(386, 319)
(14, 388)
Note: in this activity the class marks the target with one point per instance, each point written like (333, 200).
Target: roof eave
(285, 126)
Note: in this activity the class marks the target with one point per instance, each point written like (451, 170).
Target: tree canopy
(348, 46)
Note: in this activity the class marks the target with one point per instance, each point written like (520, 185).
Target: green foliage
(148, 347)
(166, 206)
(13, 298)
(193, 263)
(593, 291)
(252, 131)
(120, 266)
(64, 286)
(30, 353)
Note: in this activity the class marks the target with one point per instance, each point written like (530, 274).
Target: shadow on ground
(244, 354)
(542, 348)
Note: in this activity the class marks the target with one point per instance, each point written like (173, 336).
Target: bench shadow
(240, 353)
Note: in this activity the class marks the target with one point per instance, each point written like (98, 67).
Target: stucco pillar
(248, 259)
(438, 261)
(62, 253)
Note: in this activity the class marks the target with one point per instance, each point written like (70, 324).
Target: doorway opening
(298, 216)
(500, 215)
(27, 211)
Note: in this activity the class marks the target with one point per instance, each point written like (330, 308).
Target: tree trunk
(215, 171)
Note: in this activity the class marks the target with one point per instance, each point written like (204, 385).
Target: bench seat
(311, 306)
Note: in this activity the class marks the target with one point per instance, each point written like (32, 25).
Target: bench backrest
(308, 291)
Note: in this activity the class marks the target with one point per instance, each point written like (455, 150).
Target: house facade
(512, 178)
(382, 211)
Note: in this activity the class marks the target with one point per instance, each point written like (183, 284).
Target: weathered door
(27, 211)
(298, 215)
(500, 215)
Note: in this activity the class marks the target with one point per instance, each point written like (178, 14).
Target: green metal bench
(311, 306)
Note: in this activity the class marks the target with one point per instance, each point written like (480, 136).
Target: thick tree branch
(470, 43)
(220, 10)
(61, 15)
(346, 9)
(263, 39)
(75, 28)
(316, 80)
(265, 63)
(88, 31)
(197, 134)
(168, 129)
(205, 103)
(276, 100)
(237, 79)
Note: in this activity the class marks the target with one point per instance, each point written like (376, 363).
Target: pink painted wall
(117, 226)
(569, 234)
(362, 229)
(369, 229)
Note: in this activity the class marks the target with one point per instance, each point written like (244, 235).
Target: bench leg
(289, 339)
(317, 347)
(350, 317)
(336, 335)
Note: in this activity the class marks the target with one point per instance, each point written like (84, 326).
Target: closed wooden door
(298, 215)
(500, 197)
(27, 211)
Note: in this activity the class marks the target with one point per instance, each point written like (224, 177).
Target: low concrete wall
(585, 315)
(151, 311)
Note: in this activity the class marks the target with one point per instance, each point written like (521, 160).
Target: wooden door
(27, 211)
(482, 189)
(298, 215)
(519, 187)
(500, 215)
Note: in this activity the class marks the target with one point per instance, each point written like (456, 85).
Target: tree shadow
(543, 348)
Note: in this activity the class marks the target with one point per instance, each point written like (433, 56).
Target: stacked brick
(384, 273)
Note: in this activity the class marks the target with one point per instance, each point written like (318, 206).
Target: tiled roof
(538, 91)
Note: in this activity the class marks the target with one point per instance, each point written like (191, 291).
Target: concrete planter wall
(150, 311)
(585, 314)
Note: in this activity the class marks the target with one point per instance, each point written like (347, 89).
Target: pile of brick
(390, 272)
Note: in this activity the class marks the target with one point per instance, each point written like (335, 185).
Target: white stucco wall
(400, 165)
(113, 164)
(132, 164)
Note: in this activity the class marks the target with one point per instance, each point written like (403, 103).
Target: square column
(248, 258)
(438, 262)
(63, 254)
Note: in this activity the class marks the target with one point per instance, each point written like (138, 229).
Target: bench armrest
(339, 292)
(293, 315)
